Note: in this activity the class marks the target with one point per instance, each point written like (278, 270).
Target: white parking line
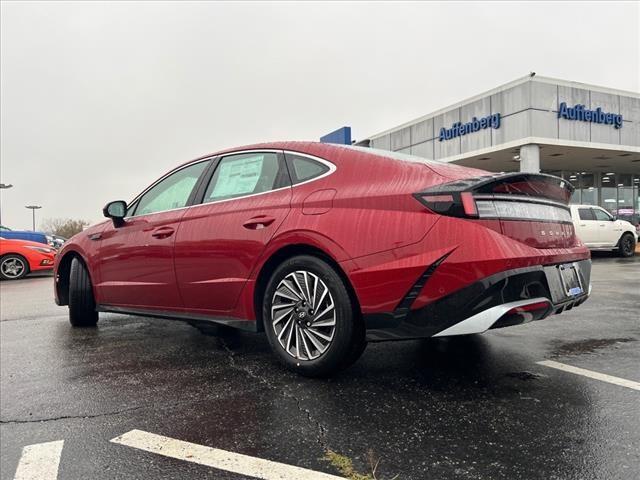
(221, 459)
(591, 374)
(40, 461)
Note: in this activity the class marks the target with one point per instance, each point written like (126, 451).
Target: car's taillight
(469, 204)
(522, 209)
(455, 205)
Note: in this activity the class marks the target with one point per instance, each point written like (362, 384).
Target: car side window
(601, 215)
(304, 168)
(246, 174)
(586, 214)
(172, 192)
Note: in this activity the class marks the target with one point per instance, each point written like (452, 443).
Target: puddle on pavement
(586, 346)
(524, 375)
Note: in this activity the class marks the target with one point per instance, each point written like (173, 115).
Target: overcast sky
(100, 99)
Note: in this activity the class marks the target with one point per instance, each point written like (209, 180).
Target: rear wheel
(13, 267)
(309, 318)
(82, 305)
(627, 245)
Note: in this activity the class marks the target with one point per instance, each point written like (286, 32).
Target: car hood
(625, 224)
(24, 243)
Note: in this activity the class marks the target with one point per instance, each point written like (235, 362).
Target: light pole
(33, 209)
(2, 187)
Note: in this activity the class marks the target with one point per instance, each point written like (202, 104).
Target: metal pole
(33, 209)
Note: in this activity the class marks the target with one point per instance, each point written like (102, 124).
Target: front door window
(171, 192)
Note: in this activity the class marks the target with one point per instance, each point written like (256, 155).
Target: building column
(530, 158)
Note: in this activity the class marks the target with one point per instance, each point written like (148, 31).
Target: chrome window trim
(332, 169)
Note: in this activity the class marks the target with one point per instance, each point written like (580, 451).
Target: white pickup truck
(599, 230)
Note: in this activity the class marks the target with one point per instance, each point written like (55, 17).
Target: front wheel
(13, 267)
(309, 318)
(82, 305)
(627, 245)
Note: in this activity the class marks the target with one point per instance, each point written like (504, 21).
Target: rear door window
(586, 214)
(246, 174)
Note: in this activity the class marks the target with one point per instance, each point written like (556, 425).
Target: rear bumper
(492, 302)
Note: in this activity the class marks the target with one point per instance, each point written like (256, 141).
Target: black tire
(347, 339)
(627, 245)
(13, 267)
(82, 305)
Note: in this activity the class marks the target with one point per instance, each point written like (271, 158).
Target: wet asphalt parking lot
(469, 407)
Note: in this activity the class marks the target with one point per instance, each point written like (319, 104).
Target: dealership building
(587, 134)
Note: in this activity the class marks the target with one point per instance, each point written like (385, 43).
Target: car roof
(322, 150)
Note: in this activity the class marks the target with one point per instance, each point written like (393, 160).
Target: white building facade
(586, 134)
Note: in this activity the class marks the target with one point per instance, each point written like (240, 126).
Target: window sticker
(238, 176)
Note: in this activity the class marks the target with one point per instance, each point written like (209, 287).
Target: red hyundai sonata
(325, 247)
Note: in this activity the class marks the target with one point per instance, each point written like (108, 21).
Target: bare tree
(64, 227)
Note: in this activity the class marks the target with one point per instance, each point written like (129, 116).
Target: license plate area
(570, 279)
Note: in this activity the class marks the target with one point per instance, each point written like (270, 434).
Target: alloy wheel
(303, 315)
(13, 267)
(627, 245)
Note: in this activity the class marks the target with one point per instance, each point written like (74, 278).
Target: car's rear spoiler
(521, 191)
(538, 185)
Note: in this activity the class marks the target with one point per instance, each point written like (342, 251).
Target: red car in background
(21, 257)
(326, 247)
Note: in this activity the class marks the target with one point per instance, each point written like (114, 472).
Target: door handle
(258, 222)
(163, 232)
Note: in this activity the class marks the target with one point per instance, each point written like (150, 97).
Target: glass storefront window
(574, 179)
(636, 195)
(609, 192)
(625, 197)
(617, 193)
(588, 189)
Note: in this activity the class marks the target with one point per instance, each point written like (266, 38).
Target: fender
(300, 237)
(80, 246)
(245, 305)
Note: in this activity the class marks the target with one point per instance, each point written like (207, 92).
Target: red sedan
(325, 247)
(20, 257)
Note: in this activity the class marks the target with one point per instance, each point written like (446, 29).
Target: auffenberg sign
(458, 129)
(579, 112)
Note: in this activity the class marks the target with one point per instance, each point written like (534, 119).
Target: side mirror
(115, 211)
